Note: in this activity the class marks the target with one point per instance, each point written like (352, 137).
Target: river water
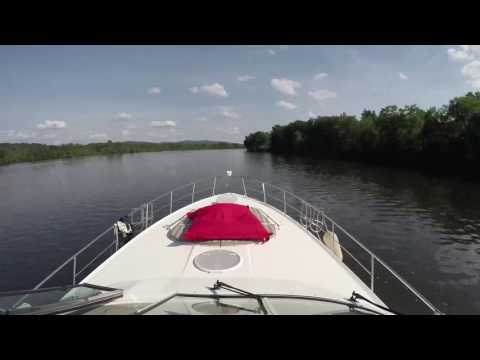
(424, 227)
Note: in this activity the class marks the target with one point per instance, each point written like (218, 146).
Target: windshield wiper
(356, 296)
(353, 298)
(222, 285)
(231, 306)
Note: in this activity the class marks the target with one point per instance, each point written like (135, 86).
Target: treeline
(445, 138)
(13, 153)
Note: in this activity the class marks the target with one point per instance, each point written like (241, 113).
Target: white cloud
(320, 76)
(154, 91)
(228, 112)
(460, 55)
(471, 72)
(286, 105)
(236, 130)
(167, 123)
(125, 133)
(124, 116)
(213, 89)
(283, 47)
(24, 135)
(322, 94)
(402, 76)
(245, 78)
(98, 136)
(271, 52)
(286, 86)
(202, 119)
(311, 115)
(475, 49)
(52, 124)
(476, 84)
(20, 134)
(49, 136)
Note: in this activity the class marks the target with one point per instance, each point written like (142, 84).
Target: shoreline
(165, 147)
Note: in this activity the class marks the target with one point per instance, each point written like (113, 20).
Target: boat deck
(154, 264)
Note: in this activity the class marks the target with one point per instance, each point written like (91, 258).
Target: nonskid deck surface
(153, 265)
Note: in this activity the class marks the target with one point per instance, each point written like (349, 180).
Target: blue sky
(58, 94)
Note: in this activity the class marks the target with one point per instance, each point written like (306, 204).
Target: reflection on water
(427, 228)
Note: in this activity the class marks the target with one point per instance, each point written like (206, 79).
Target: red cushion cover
(225, 222)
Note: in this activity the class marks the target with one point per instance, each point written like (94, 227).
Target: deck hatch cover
(217, 260)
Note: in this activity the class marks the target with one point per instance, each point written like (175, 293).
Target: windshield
(56, 300)
(189, 304)
(90, 299)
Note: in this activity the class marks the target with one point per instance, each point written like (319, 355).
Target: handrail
(95, 258)
(312, 218)
(71, 258)
(394, 273)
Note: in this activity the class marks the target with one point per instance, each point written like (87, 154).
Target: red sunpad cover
(225, 222)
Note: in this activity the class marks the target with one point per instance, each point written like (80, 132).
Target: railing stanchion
(284, 203)
(171, 201)
(264, 195)
(74, 269)
(146, 215)
(244, 188)
(372, 273)
(115, 231)
(214, 183)
(193, 193)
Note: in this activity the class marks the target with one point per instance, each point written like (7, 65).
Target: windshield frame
(259, 297)
(62, 307)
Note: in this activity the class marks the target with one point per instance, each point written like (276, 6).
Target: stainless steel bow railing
(380, 277)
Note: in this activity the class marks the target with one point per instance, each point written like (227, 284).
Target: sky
(82, 94)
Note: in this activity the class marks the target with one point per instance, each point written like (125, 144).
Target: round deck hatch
(217, 260)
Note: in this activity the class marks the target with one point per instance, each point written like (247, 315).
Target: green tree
(258, 141)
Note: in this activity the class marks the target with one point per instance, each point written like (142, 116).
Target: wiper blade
(222, 285)
(353, 298)
(236, 307)
(356, 296)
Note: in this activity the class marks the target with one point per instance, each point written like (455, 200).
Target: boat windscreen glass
(190, 304)
(55, 300)
(186, 305)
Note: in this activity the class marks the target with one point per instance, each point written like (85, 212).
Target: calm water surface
(426, 228)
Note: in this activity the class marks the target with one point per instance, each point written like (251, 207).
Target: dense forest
(13, 153)
(445, 138)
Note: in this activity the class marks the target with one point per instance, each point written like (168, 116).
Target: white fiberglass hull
(153, 266)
